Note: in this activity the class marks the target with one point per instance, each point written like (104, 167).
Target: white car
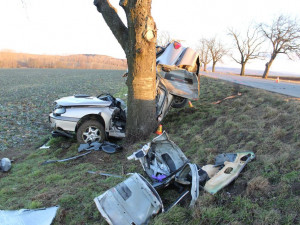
(95, 118)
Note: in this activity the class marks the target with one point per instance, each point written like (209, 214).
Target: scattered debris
(177, 200)
(135, 200)
(229, 97)
(45, 146)
(230, 165)
(106, 146)
(105, 174)
(44, 216)
(67, 159)
(160, 157)
(5, 164)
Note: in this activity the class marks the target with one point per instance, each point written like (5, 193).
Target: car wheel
(179, 102)
(90, 131)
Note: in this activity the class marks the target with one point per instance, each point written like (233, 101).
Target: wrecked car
(136, 200)
(96, 118)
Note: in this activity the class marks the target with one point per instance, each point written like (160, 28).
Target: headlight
(59, 110)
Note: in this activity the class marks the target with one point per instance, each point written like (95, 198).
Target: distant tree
(163, 38)
(217, 51)
(137, 39)
(284, 35)
(204, 52)
(248, 46)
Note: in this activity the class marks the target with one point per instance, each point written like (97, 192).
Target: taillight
(177, 45)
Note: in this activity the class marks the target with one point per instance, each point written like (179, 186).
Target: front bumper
(63, 123)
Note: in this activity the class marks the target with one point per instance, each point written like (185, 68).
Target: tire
(90, 131)
(179, 102)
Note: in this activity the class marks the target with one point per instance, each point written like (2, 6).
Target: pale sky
(74, 26)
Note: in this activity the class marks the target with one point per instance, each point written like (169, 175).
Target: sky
(64, 27)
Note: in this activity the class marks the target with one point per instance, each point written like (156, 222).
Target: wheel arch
(96, 117)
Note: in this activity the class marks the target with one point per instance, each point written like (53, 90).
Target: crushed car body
(165, 164)
(133, 201)
(96, 118)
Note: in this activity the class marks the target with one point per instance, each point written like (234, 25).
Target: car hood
(82, 101)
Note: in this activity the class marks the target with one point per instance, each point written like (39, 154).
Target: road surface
(283, 87)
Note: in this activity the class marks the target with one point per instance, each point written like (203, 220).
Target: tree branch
(110, 15)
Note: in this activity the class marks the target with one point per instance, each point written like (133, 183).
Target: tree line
(282, 36)
(10, 59)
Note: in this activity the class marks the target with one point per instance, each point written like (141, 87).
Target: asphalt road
(283, 87)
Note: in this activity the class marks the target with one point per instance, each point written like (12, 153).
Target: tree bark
(242, 73)
(267, 67)
(213, 66)
(141, 70)
(204, 67)
(138, 42)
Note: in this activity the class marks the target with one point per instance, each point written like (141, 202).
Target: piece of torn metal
(106, 146)
(177, 200)
(230, 170)
(133, 201)
(44, 216)
(45, 146)
(5, 164)
(66, 159)
(105, 174)
(189, 176)
(161, 157)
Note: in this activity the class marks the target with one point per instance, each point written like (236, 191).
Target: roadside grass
(266, 192)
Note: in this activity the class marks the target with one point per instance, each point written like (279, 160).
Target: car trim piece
(64, 118)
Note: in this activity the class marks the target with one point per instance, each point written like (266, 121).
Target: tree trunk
(268, 65)
(141, 60)
(242, 73)
(204, 67)
(138, 42)
(213, 66)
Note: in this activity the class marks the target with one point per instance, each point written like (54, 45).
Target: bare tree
(248, 46)
(204, 52)
(138, 40)
(217, 51)
(163, 38)
(284, 35)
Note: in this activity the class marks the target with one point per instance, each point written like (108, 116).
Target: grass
(266, 192)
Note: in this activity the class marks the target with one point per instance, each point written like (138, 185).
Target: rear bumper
(63, 123)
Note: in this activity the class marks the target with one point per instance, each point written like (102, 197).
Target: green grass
(266, 192)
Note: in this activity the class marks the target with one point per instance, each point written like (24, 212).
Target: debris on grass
(46, 145)
(229, 97)
(105, 174)
(105, 146)
(67, 159)
(135, 200)
(5, 164)
(43, 216)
